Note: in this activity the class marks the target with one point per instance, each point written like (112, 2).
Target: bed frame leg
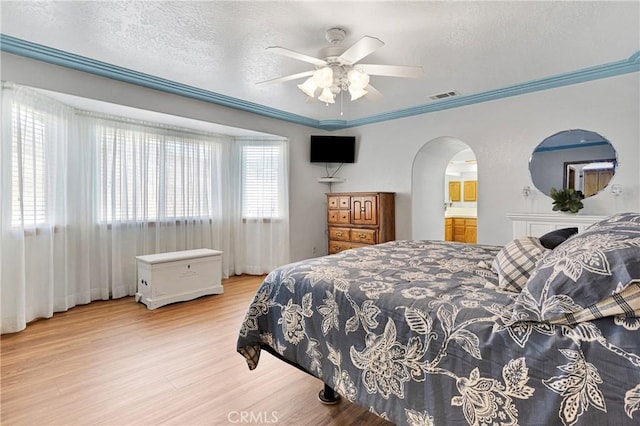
(328, 396)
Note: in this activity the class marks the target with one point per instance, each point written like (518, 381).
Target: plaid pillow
(625, 304)
(515, 262)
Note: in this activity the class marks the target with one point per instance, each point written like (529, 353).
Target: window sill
(33, 231)
(261, 220)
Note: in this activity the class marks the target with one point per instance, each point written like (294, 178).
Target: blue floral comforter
(418, 332)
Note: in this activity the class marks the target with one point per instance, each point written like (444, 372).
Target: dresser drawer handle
(336, 248)
(362, 236)
(339, 234)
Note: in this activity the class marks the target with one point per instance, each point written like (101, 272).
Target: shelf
(330, 180)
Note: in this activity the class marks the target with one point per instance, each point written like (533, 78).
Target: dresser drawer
(364, 236)
(339, 202)
(338, 216)
(340, 234)
(338, 246)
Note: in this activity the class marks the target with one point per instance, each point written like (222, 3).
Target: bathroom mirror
(579, 159)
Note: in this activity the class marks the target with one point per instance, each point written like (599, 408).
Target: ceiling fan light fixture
(357, 79)
(309, 87)
(327, 96)
(339, 69)
(323, 77)
(357, 93)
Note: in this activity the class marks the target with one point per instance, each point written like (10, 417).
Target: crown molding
(611, 69)
(61, 58)
(58, 57)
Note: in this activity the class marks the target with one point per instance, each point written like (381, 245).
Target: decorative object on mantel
(566, 200)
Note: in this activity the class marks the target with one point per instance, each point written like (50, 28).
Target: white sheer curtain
(37, 250)
(84, 194)
(262, 225)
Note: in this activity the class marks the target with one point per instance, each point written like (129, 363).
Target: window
(29, 184)
(149, 177)
(141, 174)
(189, 173)
(261, 180)
(125, 162)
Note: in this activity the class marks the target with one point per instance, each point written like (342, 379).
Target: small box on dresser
(178, 276)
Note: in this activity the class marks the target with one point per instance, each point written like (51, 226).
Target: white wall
(502, 134)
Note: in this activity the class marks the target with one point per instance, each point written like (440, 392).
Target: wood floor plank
(117, 363)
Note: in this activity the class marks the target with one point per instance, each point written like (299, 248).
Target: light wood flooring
(117, 363)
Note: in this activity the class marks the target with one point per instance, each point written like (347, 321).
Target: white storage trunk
(178, 276)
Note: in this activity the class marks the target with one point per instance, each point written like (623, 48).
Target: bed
(442, 333)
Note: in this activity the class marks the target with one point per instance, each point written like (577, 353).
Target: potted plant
(567, 200)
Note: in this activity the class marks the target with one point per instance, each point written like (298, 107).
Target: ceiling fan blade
(373, 94)
(391, 70)
(288, 77)
(295, 55)
(361, 48)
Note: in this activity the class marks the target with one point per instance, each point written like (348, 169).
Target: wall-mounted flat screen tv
(333, 149)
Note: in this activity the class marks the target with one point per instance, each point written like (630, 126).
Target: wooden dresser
(357, 219)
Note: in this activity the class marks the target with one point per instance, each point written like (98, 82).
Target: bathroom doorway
(428, 195)
(461, 198)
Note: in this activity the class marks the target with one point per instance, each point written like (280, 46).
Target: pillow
(515, 262)
(583, 271)
(553, 239)
(621, 219)
(624, 305)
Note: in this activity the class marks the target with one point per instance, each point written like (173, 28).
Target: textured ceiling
(219, 46)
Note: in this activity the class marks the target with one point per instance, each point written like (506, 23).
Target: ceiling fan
(339, 70)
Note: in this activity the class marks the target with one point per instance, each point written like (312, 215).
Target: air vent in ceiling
(444, 95)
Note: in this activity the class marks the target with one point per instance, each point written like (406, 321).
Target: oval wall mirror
(578, 159)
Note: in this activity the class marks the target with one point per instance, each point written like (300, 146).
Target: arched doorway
(428, 186)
